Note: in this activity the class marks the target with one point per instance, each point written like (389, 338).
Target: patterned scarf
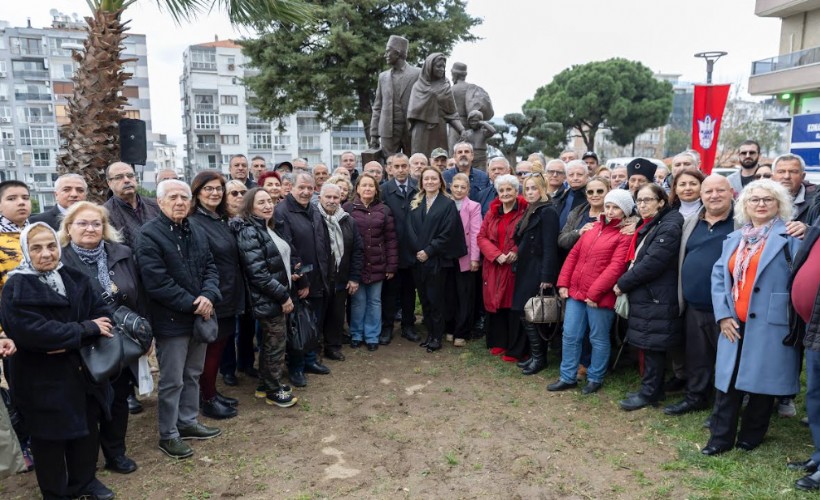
(752, 240)
(7, 226)
(337, 244)
(96, 256)
(51, 278)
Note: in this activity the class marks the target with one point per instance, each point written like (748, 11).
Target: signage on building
(806, 138)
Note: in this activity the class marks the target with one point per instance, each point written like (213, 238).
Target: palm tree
(96, 106)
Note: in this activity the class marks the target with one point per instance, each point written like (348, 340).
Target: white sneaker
(786, 408)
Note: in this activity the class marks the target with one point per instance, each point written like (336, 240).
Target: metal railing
(786, 61)
(32, 97)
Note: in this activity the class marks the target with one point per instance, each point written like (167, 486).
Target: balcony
(28, 50)
(32, 74)
(41, 119)
(32, 97)
(203, 66)
(784, 8)
(793, 72)
(207, 146)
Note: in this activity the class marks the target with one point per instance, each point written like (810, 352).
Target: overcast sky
(524, 43)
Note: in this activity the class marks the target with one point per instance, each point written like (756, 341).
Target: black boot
(387, 335)
(539, 356)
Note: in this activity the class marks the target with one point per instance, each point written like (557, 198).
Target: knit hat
(622, 198)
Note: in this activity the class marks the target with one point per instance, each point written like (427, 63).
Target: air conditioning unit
(4, 98)
(5, 119)
(10, 142)
(231, 67)
(2, 74)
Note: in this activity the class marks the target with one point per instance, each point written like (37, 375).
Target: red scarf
(630, 256)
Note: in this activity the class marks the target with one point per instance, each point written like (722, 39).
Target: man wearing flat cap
(640, 172)
(388, 124)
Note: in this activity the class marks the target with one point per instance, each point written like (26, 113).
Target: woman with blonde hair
(344, 185)
(437, 236)
(464, 277)
(92, 246)
(234, 192)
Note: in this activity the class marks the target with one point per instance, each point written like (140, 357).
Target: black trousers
(726, 412)
(335, 319)
(431, 286)
(654, 366)
(702, 335)
(238, 353)
(401, 288)
(465, 303)
(504, 331)
(65, 468)
(112, 432)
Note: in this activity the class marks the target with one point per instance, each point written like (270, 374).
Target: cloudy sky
(524, 43)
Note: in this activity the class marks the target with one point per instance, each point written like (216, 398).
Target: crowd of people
(713, 279)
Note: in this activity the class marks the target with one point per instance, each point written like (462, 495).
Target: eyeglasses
(747, 153)
(645, 201)
(599, 192)
(555, 172)
(120, 177)
(757, 201)
(522, 174)
(212, 189)
(763, 176)
(84, 224)
(237, 193)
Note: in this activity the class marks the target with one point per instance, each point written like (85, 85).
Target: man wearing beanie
(639, 172)
(621, 198)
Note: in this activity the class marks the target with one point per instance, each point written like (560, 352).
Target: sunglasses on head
(237, 193)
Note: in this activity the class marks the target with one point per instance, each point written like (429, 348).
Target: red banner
(707, 113)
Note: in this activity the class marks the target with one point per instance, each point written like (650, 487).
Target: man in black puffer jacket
(300, 223)
(181, 281)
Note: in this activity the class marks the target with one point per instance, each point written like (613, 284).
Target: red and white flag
(707, 113)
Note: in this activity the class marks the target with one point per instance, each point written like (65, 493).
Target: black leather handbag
(103, 358)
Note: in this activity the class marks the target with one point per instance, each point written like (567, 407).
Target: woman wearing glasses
(234, 192)
(750, 294)
(583, 217)
(651, 283)
(536, 268)
(763, 172)
(92, 246)
(209, 213)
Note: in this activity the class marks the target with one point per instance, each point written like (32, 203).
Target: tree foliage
(332, 65)
(744, 120)
(528, 132)
(619, 94)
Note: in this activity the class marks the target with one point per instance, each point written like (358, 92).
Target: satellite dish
(54, 12)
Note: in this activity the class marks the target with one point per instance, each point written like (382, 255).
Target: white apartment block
(218, 122)
(35, 78)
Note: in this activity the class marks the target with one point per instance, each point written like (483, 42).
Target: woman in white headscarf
(49, 311)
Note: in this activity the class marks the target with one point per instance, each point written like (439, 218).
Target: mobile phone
(305, 269)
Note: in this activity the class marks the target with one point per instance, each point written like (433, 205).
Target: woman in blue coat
(751, 298)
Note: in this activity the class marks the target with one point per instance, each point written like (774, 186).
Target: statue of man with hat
(469, 97)
(388, 125)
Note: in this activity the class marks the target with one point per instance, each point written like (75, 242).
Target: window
(63, 88)
(349, 143)
(133, 114)
(229, 100)
(38, 136)
(206, 120)
(212, 162)
(259, 140)
(2, 66)
(5, 114)
(62, 71)
(203, 59)
(206, 141)
(308, 125)
(204, 101)
(226, 159)
(281, 142)
(230, 139)
(35, 114)
(131, 92)
(309, 142)
(55, 45)
(230, 119)
(29, 69)
(42, 158)
(32, 92)
(61, 112)
(27, 46)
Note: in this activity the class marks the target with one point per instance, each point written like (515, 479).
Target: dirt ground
(402, 423)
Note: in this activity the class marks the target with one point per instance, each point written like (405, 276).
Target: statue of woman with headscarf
(431, 107)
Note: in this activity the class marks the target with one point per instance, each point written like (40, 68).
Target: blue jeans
(578, 317)
(366, 313)
(813, 398)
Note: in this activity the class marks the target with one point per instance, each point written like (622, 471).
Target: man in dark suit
(68, 190)
(389, 120)
(397, 194)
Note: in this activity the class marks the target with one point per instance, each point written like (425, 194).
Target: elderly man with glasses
(129, 211)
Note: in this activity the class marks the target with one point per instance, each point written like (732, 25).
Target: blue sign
(806, 138)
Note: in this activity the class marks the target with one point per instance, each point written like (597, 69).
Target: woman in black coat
(91, 246)
(267, 260)
(209, 212)
(50, 310)
(437, 237)
(651, 283)
(536, 267)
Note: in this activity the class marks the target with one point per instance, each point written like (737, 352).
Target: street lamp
(710, 57)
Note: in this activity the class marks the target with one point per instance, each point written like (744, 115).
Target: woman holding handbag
(592, 267)
(49, 310)
(536, 235)
(267, 260)
(92, 246)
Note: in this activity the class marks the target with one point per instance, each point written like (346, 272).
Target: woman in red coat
(504, 336)
(592, 268)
